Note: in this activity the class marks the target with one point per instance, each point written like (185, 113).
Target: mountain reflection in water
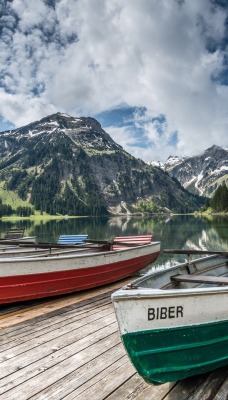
(174, 232)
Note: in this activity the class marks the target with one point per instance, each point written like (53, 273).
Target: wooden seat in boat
(72, 239)
(131, 240)
(217, 280)
(14, 233)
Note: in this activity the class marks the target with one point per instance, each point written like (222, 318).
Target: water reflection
(178, 232)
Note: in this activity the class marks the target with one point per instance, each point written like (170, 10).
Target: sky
(154, 73)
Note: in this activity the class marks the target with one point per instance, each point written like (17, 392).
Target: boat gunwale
(77, 255)
(132, 294)
(135, 291)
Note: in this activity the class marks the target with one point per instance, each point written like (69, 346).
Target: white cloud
(24, 109)
(131, 143)
(87, 57)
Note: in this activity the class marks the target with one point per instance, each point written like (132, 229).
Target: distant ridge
(201, 174)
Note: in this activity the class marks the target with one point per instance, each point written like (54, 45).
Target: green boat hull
(172, 354)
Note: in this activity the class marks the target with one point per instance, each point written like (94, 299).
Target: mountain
(201, 174)
(67, 165)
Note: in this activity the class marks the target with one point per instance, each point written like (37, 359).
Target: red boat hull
(44, 284)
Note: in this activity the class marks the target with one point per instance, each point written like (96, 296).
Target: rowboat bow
(174, 322)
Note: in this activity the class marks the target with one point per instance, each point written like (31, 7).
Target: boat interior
(68, 244)
(209, 271)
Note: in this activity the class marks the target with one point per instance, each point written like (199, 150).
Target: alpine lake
(174, 232)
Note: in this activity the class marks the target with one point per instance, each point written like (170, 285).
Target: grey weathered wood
(64, 309)
(39, 347)
(210, 385)
(77, 381)
(222, 393)
(46, 376)
(218, 280)
(69, 325)
(99, 388)
(51, 357)
(75, 352)
(157, 392)
(192, 252)
(50, 324)
(130, 389)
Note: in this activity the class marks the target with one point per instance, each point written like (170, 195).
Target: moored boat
(89, 265)
(15, 234)
(174, 322)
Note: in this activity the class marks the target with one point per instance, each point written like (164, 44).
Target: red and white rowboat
(31, 277)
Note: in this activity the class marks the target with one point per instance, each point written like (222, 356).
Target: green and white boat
(174, 322)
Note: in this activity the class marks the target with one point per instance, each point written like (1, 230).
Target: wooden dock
(69, 348)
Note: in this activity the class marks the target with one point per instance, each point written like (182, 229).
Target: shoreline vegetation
(41, 216)
(217, 206)
(45, 216)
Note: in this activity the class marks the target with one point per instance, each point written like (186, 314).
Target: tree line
(7, 210)
(219, 202)
(70, 204)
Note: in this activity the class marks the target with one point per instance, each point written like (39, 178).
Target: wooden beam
(44, 245)
(113, 242)
(217, 280)
(192, 252)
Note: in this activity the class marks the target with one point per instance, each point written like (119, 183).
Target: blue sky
(153, 72)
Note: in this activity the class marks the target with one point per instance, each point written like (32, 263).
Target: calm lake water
(175, 232)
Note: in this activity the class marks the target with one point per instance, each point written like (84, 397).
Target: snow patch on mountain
(170, 163)
(200, 174)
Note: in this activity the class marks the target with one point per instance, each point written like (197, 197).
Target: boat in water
(174, 322)
(13, 235)
(62, 269)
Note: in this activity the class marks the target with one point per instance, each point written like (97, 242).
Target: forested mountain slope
(62, 164)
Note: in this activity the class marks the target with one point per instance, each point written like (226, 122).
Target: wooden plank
(185, 388)
(45, 245)
(52, 324)
(119, 243)
(199, 387)
(30, 365)
(76, 382)
(129, 389)
(64, 308)
(209, 386)
(101, 388)
(152, 392)
(192, 252)
(35, 311)
(222, 393)
(14, 233)
(219, 280)
(51, 320)
(134, 239)
(75, 352)
(126, 241)
(72, 239)
(42, 323)
(53, 335)
(47, 376)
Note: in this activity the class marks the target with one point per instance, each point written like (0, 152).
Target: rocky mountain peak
(216, 152)
(70, 165)
(61, 121)
(202, 173)
(171, 162)
(85, 132)
(65, 121)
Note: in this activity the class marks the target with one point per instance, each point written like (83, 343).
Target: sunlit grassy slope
(11, 198)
